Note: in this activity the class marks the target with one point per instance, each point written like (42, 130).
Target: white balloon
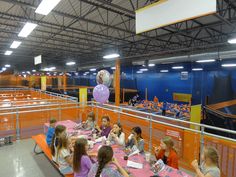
(103, 77)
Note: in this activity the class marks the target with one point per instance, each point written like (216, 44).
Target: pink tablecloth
(119, 154)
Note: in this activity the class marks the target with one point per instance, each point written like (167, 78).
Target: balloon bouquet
(101, 92)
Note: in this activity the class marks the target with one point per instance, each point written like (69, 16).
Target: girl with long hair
(104, 166)
(135, 140)
(117, 135)
(81, 161)
(210, 165)
(167, 153)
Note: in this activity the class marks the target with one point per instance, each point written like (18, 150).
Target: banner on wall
(182, 97)
(43, 83)
(83, 95)
(167, 12)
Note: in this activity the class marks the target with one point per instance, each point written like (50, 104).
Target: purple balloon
(101, 93)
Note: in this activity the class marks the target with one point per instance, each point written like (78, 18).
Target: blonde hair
(212, 154)
(168, 142)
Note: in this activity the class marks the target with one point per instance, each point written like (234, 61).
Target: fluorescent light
(139, 72)
(27, 29)
(151, 65)
(164, 71)
(113, 68)
(46, 6)
(28, 72)
(49, 69)
(144, 69)
(197, 69)
(184, 72)
(15, 44)
(93, 69)
(4, 69)
(8, 52)
(232, 41)
(7, 66)
(94, 73)
(70, 63)
(206, 61)
(34, 70)
(177, 67)
(23, 72)
(114, 55)
(229, 65)
(85, 74)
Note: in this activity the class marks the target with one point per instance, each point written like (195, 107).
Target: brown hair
(52, 121)
(138, 131)
(92, 115)
(168, 142)
(121, 129)
(79, 151)
(212, 154)
(62, 143)
(106, 117)
(58, 130)
(105, 155)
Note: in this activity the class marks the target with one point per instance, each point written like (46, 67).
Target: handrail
(167, 118)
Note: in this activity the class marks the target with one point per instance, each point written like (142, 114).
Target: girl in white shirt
(117, 135)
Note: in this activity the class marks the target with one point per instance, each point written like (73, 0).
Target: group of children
(76, 157)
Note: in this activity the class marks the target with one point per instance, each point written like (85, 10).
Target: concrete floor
(18, 160)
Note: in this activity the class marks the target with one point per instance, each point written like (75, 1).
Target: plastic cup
(94, 136)
(108, 143)
(148, 156)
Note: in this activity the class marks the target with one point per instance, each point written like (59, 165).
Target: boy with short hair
(51, 130)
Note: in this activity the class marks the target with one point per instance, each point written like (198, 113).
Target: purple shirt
(105, 131)
(85, 166)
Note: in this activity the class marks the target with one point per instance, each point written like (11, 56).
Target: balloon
(101, 93)
(104, 77)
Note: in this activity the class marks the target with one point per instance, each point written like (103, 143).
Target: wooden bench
(40, 141)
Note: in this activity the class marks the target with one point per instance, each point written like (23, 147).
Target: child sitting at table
(135, 140)
(117, 135)
(167, 153)
(62, 156)
(51, 131)
(60, 129)
(105, 128)
(210, 165)
(104, 166)
(81, 161)
(90, 123)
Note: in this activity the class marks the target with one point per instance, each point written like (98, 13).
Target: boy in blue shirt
(51, 130)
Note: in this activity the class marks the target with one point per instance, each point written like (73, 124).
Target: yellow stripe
(151, 5)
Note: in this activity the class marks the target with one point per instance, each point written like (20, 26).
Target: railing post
(202, 143)
(150, 133)
(120, 110)
(96, 113)
(59, 111)
(17, 125)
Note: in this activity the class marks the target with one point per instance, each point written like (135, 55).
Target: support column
(117, 81)
(64, 83)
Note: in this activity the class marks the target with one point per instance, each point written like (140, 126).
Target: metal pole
(60, 112)
(17, 126)
(202, 143)
(150, 133)
(119, 115)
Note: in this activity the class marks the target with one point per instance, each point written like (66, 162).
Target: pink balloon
(101, 93)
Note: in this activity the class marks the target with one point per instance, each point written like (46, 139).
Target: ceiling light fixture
(27, 29)
(144, 69)
(8, 52)
(177, 67)
(232, 41)
(70, 63)
(139, 72)
(15, 44)
(197, 69)
(229, 65)
(93, 69)
(151, 65)
(206, 61)
(111, 56)
(113, 68)
(34, 70)
(7, 66)
(164, 71)
(46, 6)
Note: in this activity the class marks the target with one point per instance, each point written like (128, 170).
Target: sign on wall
(83, 94)
(182, 97)
(43, 83)
(167, 12)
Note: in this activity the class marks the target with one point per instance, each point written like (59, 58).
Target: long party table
(119, 154)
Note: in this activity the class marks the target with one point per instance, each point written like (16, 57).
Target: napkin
(134, 164)
(134, 153)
